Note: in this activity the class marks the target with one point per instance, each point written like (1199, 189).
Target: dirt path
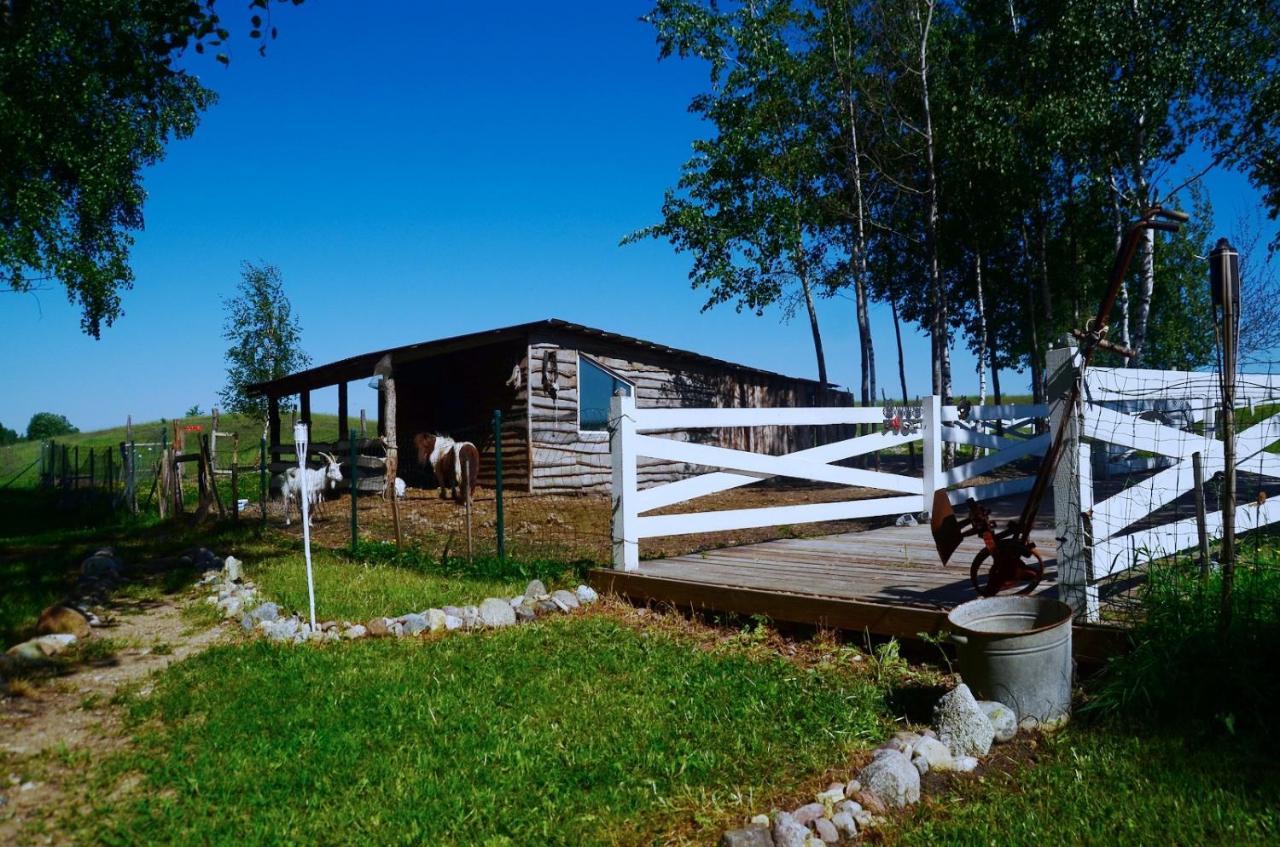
(69, 719)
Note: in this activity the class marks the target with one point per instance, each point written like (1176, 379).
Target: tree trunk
(982, 331)
(1124, 285)
(902, 369)
(1146, 283)
(813, 325)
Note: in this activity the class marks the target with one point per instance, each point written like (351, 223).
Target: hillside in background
(20, 463)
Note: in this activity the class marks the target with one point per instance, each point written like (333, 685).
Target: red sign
(193, 428)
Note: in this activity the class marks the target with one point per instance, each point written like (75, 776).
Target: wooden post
(1072, 489)
(343, 424)
(355, 493)
(498, 494)
(382, 411)
(387, 423)
(93, 454)
(1202, 526)
(273, 427)
(469, 547)
(235, 478)
(622, 432)
(213, 442)
(364, 425)
(1227, 549)
(304, 408)
(263, 484)
(132, 459)
(75, 473)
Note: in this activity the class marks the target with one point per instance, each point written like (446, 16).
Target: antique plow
(1009, 555)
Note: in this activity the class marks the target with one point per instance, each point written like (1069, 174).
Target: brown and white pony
(456, 464)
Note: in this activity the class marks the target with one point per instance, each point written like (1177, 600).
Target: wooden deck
(886, 581)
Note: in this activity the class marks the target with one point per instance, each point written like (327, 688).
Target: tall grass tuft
(1187, 669)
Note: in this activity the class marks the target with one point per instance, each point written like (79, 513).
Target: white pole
(304, 495)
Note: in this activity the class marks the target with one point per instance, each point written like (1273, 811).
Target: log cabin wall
(566, 459)
(456, 394)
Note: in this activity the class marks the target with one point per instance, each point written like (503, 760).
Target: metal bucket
(1017, 650)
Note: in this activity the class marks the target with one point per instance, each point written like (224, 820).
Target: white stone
(934, 752)
(355, 631)
(1004, 723)
(436, 619)
(452, 622)
(231, 569)
(760, 820)
(586, 594)
(965, 764)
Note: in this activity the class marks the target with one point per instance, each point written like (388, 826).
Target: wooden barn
(551, 380)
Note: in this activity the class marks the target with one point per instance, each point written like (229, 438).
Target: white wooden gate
(896, 494)
(1130, 409)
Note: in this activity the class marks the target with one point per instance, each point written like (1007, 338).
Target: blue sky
(415, 171)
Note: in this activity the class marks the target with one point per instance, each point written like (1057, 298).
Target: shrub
(1186, 668)
(48, 425)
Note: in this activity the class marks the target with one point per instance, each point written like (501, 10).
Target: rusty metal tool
(1009, 555)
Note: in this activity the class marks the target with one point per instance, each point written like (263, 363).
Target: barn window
(596, 387)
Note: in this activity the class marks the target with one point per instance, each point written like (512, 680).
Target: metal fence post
(355, 491)
(497, 483)
(262, 482)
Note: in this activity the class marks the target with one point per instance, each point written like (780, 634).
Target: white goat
(312, 481)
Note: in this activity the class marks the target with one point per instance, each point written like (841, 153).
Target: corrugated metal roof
(357, 367)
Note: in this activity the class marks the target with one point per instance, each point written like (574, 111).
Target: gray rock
(906, 520)
(396, 628)
(892, 778)
(1004, 723)
(546, 607)
(752, 836)
(355, 631)
(809, 812)
(282, 630)
(265, 612)
(961, 724)
(101, 565)
(565, 599)
(524, 613)
(903, 741)
(378, 627)
(435, 619)
(788, 832)
(826, 831)
(452, 622)
(586, 594)
(535, 588)
(231, 606)
(415, 623)
(921, 764)
(848, 807)
(495, 612)
(845, 824)
(231, 569)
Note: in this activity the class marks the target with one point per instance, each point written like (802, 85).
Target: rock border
(891, 780)
(239, 598)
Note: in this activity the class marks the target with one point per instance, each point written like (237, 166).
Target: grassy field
(607, 727)
(575, 731)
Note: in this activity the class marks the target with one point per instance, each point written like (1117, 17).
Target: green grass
(1107, 786)
(576, 731)
(359, 590)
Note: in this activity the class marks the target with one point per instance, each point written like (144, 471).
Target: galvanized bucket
(1017, 650)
